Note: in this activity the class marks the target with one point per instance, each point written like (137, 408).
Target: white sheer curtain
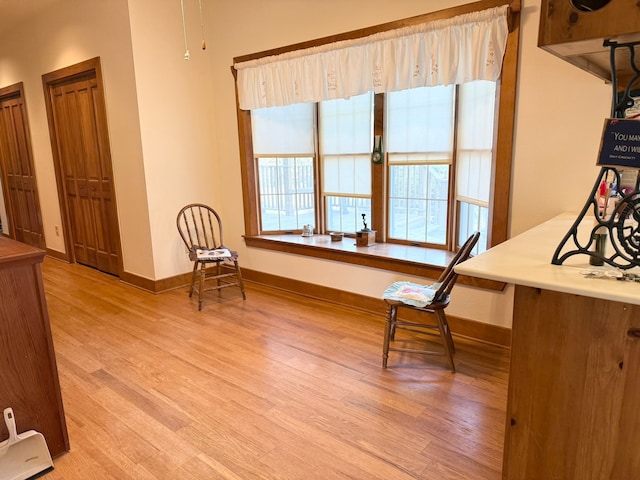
(443, 52)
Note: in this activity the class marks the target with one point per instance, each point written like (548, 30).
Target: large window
(284, 149)
(420, 141)
(346, 130)
(433, 135)
(444, 172)
(474, 153)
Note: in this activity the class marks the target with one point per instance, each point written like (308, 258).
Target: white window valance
(442, 52)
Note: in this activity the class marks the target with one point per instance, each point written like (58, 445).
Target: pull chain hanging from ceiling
(187, 54)
(184, 31)
(204, 44)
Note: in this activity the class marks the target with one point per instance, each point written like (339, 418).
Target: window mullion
(320, 209)
(378, 170)
(452, 216)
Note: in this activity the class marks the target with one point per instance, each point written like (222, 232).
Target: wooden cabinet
(577, 35)
(574, 384)
(28, 373)
(574, 388)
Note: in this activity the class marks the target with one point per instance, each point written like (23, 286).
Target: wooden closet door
(84, 161)
(16, 164)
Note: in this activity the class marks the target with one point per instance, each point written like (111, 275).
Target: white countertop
(526, 260)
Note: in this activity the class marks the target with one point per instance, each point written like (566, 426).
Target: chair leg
(452, 345)
(193, 278)
(445, 335)
(240, 282)
(218, 281)
(392, 312)
(201, 289)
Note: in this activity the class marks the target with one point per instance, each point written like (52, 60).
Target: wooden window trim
(502, 165)
(407, 259)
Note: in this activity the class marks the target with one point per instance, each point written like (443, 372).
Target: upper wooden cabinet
(570, 30)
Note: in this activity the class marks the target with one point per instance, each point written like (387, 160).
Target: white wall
(559, 117)
(177, 122)
(560, 112)
(63, 34)
(173, 124)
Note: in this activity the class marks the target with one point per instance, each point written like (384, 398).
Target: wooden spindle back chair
(200, 228)
(441, 291)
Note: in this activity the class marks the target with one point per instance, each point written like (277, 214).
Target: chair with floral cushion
(417, 299)
(214, 266)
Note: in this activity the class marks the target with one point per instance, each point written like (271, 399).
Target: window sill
(418, 261)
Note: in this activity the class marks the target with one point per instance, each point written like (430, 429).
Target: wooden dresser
(28, 373)
(574, 384)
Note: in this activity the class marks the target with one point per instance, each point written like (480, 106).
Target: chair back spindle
(200, 227)
(448, 276)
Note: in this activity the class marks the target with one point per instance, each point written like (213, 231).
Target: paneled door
(18, 173)
(82, 158)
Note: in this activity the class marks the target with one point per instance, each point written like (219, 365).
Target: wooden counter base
(28, 373)
(573, 389)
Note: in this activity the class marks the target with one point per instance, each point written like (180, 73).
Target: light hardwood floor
(274, 387)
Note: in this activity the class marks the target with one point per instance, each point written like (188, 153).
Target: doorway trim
(87, 67)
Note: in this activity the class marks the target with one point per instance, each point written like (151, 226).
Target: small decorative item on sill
(366, 236)
(336, 236)
(365, 239)
(307, 231)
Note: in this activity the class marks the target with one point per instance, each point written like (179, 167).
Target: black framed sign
(620, 144)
